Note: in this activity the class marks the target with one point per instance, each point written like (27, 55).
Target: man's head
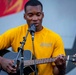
(34, 13)
(33, 3)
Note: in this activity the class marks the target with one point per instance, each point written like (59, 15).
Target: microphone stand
(32, 31)
(34, 56)
(20, 52)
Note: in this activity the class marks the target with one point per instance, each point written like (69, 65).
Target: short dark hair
(33, 3)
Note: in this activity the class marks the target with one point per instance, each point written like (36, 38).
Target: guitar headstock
(72, 58)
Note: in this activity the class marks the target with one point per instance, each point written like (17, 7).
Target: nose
(34, 18)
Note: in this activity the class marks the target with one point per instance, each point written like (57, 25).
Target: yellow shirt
(46, 44)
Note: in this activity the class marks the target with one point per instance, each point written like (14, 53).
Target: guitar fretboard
(38, 61)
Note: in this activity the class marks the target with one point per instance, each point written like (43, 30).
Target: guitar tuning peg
(73, 60)
(74, 55)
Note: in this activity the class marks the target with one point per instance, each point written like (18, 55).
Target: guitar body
(12, 55)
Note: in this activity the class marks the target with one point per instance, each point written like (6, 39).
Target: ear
(25, 16)
(42, 14)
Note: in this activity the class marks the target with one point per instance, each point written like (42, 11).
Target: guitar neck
(38, 61)
(48, 60)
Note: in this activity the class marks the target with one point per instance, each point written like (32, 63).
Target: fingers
(60, 60)
(9, 68)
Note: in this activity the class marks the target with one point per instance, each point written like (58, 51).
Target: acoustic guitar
(29, 62)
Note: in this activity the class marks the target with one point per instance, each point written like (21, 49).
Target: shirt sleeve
(5, 39)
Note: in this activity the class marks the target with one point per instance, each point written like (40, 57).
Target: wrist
(62, 69)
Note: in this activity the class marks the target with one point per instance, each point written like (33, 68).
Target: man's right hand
(7, 64)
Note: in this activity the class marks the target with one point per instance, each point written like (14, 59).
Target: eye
(30, 14)
(38, 14)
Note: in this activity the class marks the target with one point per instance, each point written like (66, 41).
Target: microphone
(32, 29)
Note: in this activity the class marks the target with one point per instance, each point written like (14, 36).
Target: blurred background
(60, 16)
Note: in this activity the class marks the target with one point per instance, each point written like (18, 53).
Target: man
(47, 44)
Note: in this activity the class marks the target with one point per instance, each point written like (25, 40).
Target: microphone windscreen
(32, 28)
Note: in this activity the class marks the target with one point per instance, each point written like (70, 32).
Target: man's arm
(58, 71)
(60, 67)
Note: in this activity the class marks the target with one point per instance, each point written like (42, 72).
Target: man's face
(34, 15)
